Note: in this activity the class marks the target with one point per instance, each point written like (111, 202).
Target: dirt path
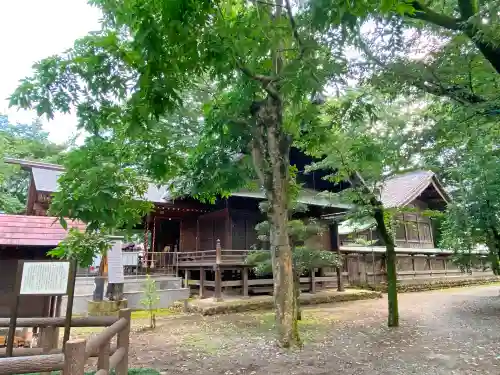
(442, 332)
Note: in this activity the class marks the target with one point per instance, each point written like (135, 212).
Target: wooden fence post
(122, 341)
(217, 272)
(312, 279)
(244, 276)
(335, 246)
(103, 358)
(74, 357)
(48, 341)
(202, 283)
(413, 265)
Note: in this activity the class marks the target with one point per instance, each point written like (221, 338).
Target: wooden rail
(91, 321)
(24, 365)
(76, 352)
(209, 257)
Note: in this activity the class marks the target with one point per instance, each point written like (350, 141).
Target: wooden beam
(244, 275)
(202, 283)
(335, 246)
(312, 281)
(217, 271)
(229, 235)
(186, 278)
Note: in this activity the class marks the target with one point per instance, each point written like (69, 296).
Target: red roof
(19, 230)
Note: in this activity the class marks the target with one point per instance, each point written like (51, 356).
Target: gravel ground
(441, 332)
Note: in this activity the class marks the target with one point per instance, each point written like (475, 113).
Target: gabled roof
(401, 190)
(397, 192)
(45, 178)
(18, 230)
(306, 196)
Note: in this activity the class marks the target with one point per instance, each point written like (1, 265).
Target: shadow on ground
(442, 332)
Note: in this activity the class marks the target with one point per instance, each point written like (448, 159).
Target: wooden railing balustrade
(208, 257)
(72, 358)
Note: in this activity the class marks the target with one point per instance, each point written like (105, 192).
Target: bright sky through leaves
(31, 30)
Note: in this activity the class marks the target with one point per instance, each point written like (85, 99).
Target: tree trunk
(114, 292)
(392, 287)
(271, 155)
(493, 239)
(490, 52)
(298, 311)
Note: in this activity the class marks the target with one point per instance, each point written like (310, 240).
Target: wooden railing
(71, 360)
(212, 257)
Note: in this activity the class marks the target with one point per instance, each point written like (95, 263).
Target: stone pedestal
(105, 308)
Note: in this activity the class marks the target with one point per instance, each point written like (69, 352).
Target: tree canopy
(207, 95)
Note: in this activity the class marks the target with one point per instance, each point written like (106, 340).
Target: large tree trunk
(298, 311)
(392, 287)
(271, 154)
(493, 240)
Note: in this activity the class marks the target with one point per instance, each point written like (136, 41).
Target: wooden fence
(72, 358)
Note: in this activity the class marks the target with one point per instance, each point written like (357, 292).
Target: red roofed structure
(41, 231)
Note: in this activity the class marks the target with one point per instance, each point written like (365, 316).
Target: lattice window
(412, 231)
(425, 232)
(400, 232)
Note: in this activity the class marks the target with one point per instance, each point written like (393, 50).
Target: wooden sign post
(42, 278)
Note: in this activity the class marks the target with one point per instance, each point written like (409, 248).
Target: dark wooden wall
(243, 233)
(212, 227)
(188, 234)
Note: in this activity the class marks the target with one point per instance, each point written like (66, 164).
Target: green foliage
(82, 247)
(472, 221)
(305, 257)
(150, 300)
(22, 141)
(101, 187)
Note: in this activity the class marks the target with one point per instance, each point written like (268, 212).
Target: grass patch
(315, 324)
(144, 314)
(267, 303)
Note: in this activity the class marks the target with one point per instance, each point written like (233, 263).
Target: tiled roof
(19, 230)
(306, 196)
(402, 189)
(46, 181)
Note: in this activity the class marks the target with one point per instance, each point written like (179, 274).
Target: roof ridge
(24, 163)
(411, 196)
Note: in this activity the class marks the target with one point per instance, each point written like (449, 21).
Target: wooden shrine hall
(207, 244)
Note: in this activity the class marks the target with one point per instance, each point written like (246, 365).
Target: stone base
(105, 308)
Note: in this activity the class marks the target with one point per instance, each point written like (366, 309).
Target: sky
(31, 30)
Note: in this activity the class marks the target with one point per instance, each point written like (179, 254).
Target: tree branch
(431, 85)
(266, 81)
(471, 85)
(468, 8)
(293, 24)
(266, 3)
(424, 13)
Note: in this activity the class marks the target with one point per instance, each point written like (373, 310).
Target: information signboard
(45, 278)
(42, 278)
(115, 263)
